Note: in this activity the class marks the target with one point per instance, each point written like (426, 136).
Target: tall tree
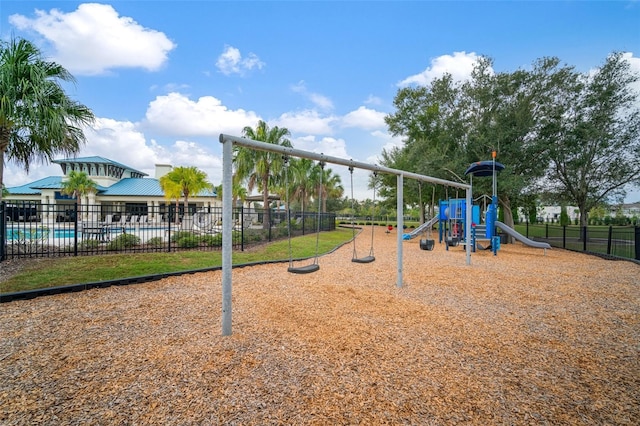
(172, 191)
(300, 182)
(189, 180)
(592, 129)
(37, 119)
(331, 187)
(78, 185)
(447, 126)
(261, 168)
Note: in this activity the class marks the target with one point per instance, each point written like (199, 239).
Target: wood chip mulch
(519, 338)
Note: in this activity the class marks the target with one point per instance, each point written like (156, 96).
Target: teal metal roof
(36, 187)
(97, 160)
(135, 187)
(51, 182)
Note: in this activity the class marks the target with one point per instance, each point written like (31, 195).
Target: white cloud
(373, 100)
(364, 118)
(121, 141)
(94, 39)
(634, 64)
(308, 122)
(231, 61)
(327, 146)
(460, 66)
(175, 114)
(389, 142)
(317, 99)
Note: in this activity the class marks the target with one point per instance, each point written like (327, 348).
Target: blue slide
(518, 236)
(420, 228)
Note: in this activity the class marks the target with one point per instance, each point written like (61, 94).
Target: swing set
(370, 258)
(228, 141)
(312, 267)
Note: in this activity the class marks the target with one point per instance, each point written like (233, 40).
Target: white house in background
(551, 214)
(122, 190)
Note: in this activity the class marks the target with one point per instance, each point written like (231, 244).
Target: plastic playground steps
(420, 229)
(518, 236)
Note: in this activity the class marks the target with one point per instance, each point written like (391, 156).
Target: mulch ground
(518, 338)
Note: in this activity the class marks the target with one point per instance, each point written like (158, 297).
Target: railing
(611, 241)
(52, 230)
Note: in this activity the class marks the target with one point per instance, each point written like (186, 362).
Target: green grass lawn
(52, 272)
(622, 238)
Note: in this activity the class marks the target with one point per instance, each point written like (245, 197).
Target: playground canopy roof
(484, 168)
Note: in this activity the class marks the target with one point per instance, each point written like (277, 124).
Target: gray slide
(420, 228)
(518, 236)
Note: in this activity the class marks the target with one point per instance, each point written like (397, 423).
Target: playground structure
(227, 173)
(453, 217)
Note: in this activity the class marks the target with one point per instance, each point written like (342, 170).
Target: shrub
(89, 244)
(254, 236)
(155, 241)
(211, 240)
(180, 234)
(564, 216)
(123, 241)
(188, 241)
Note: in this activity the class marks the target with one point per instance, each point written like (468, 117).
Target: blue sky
(165, 78)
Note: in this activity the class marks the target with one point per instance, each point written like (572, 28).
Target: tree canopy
(558, 132)
(37, 119)
(261, 168)
(185, 182)
(78, 185)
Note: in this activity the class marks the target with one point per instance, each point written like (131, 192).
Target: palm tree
(172, 191)
(37, 119)
(188, 180)
(302, 184)
(79, 185)
(261, 168)
(331, 186)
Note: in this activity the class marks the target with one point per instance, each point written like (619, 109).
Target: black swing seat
(307, 269)
(367, 259)
(427, 244)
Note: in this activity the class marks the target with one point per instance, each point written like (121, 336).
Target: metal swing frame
(315, 266)
(228, 141)
(370, 258)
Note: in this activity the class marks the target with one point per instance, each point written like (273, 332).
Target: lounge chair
(143, 219)
(108, 219)
(134, 219)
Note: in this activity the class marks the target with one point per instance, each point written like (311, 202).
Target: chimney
(162, 169)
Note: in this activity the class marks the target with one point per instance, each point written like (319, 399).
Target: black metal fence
(611, 241)
(49, 230)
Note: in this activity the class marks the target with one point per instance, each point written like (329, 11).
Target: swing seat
(452, 242)
(304, 269)
(427, 244)
(367, 259)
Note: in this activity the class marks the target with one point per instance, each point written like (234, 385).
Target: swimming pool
(42, 234)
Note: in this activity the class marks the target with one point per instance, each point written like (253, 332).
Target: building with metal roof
(120, 189)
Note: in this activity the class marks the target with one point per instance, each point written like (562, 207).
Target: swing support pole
(227, 209)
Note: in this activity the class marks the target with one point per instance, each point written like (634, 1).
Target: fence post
(75, 229)
(609, 240)
(169, 220)
(564, 236)
(637, 237)
(3, 230)
(584, 238)
(242, 225)
(527, 233)
(546, 230)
